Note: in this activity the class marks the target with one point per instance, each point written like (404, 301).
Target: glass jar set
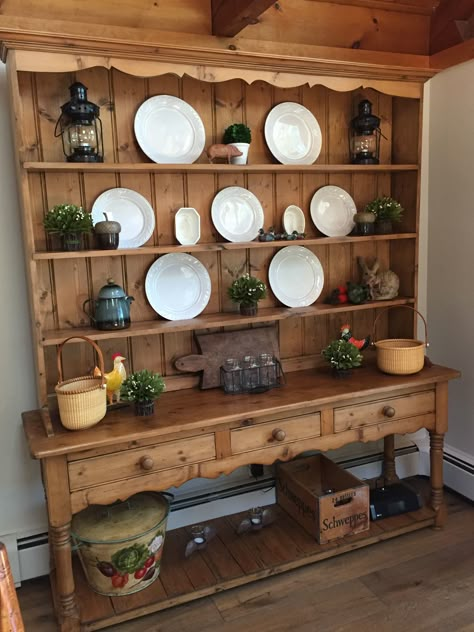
(250, 374)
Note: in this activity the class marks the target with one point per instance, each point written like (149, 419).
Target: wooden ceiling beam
(444, 31)
(420, 7)
(229, 17)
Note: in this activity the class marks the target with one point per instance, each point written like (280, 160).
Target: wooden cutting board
(215, 348)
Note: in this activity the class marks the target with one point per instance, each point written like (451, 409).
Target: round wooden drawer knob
(389, 411)
(279, 435)
(146, 463)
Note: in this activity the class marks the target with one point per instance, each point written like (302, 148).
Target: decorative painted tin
(120, 545)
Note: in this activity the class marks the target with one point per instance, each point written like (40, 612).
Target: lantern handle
(56, 134)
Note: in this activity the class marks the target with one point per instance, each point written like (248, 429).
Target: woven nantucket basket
(400, 356)
(82, 401)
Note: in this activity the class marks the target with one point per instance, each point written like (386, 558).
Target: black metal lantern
(80, 127)
(364, 138)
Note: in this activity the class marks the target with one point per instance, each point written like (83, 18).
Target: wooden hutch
(206, 433)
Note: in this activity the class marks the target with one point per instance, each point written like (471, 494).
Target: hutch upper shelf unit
(60, 282)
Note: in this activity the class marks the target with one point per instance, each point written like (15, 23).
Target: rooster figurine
(346, 334)
(115, 378)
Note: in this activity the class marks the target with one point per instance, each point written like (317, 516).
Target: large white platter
(133, 212)
(293, 134)
(332, 211)
(178, 286)
(169, 130)
(237, 214)
(187, 226)
(296, 276)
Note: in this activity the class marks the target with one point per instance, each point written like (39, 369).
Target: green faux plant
(67, 218)
(385, 208)
(342, 355)
(247, 290)
(142, 386)
(237, 133)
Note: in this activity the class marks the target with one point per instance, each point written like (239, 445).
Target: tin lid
(122, 521)
(111, 290)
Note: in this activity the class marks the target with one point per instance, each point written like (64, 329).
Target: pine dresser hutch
(207, 433)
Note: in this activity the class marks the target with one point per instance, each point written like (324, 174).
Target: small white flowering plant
(247, 290)
(385, 208)
(67, 218)
(342, 355)
(142, 386)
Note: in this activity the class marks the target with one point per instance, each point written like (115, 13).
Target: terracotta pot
(143, 409)
(248, 310)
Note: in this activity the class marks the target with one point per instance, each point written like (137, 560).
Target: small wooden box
(323, 498)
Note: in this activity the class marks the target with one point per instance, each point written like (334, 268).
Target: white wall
(21, 496)
(451, 244)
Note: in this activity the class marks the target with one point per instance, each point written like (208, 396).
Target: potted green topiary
(247, 291)
(70, 222)
(387, 211)
(342, 356)
(142, 388)
(240, 136)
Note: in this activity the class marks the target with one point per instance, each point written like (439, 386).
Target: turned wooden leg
(389, 472)
(59, 514)
(436, 462)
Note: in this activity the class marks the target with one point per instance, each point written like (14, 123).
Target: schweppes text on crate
(323, 498)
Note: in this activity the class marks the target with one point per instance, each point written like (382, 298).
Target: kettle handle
(87, 311)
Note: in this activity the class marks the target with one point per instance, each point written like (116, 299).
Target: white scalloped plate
(237, 214)
(133, 212)
(296, 276)
(169, 130)
(187, 226)
(178, 286)
(293, 134)
(332, 211)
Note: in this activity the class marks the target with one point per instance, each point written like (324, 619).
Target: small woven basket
(400, 356)
(82, 401)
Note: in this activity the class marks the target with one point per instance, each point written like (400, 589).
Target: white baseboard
(459, 471)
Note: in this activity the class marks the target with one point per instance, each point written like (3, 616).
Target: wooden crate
(303, 491)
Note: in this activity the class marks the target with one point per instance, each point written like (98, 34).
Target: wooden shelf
(231, 560)
(225, 319)
(203, 247)
(110, 167)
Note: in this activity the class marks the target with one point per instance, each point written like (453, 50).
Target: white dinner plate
(133, 212)
(296, 276)
(293, 134)
(237, 214)
(178, 286)
(187, 226)
(332, 211)
(293, 219)
(169, 130)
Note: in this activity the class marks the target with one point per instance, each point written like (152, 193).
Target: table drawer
(142, 461)
(381, 410)
(279, 431)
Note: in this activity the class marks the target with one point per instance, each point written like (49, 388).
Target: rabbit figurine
(382, 286)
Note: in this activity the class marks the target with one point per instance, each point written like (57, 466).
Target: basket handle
(98, 351)
(397, 306)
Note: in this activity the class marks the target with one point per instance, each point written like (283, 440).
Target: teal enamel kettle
(111, 309)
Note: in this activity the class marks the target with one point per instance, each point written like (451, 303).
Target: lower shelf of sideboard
(230, 560)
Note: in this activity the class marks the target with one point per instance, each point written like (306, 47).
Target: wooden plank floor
(419, 581)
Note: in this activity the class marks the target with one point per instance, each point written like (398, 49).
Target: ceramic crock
(111, 309)
(120, 545)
